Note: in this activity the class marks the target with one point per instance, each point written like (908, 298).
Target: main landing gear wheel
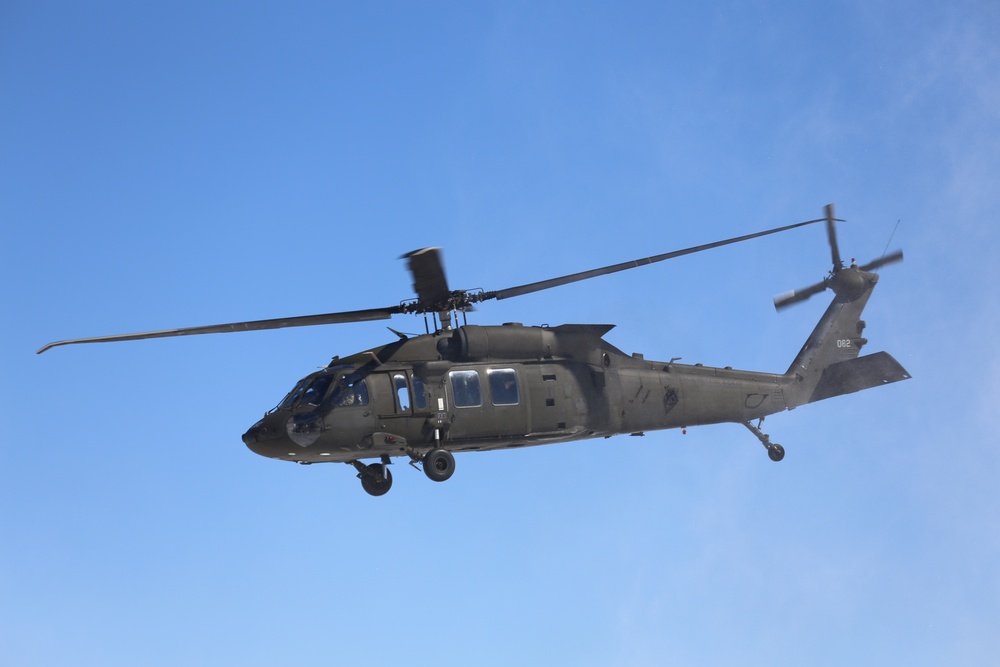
(376, 479)
(439, 465)
(775, 452)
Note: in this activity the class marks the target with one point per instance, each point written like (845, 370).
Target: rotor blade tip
(784, 296)
(783, 300)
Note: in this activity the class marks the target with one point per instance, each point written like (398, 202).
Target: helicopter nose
(251, 436)
(258, 436)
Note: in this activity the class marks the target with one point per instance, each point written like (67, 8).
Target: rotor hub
(849, 284)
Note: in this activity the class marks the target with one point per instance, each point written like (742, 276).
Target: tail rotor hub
(849, 284)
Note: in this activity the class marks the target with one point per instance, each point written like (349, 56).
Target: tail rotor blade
(795, 296)
(891, 258)
(831, 233)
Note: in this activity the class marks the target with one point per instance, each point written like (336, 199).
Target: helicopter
(464, 388)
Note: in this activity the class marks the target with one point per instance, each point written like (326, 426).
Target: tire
(376, 480)
(439, 465)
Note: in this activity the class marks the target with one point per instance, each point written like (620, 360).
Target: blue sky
(191, 163)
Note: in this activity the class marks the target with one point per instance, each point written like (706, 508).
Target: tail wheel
(439, 465)
(376, 479)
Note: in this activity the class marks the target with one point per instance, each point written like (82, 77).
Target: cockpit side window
(315, 392)
(350, 391)
(402, 392)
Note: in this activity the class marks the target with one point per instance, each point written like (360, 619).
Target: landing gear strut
(775, 452)
(375, 478)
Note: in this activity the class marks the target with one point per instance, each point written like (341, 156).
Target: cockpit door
(405, 410)
(351, 410)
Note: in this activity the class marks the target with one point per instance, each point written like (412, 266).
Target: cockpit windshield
(289, 400)
(314, 393)
(349, 390)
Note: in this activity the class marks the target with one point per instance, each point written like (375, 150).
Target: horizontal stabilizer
(847, 377)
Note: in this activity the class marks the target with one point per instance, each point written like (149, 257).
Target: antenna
(886, 249)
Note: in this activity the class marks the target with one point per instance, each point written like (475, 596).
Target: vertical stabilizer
(828, 364)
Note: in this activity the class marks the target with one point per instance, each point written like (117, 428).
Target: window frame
(511, 373)
(401, 388)
(419, 392)
(462, 395)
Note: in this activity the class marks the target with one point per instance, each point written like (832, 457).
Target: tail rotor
(847, 283)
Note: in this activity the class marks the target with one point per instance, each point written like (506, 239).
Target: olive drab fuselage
(476, 388)
(496, 387)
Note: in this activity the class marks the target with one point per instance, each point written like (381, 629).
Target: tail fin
(828, 364)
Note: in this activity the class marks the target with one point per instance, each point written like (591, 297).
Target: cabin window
(503, 386)
(465, 387)
(419, 394)
(402, 392)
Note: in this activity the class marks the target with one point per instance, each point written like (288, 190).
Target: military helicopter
(477, 388)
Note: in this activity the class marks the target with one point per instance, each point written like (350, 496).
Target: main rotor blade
(429, 281)
(891, 258)
(257, 325)
(795, 296)
(584, 275)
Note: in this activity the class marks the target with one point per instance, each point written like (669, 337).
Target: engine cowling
(510, 341)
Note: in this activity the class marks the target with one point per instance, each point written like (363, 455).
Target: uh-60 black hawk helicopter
(478, 388)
